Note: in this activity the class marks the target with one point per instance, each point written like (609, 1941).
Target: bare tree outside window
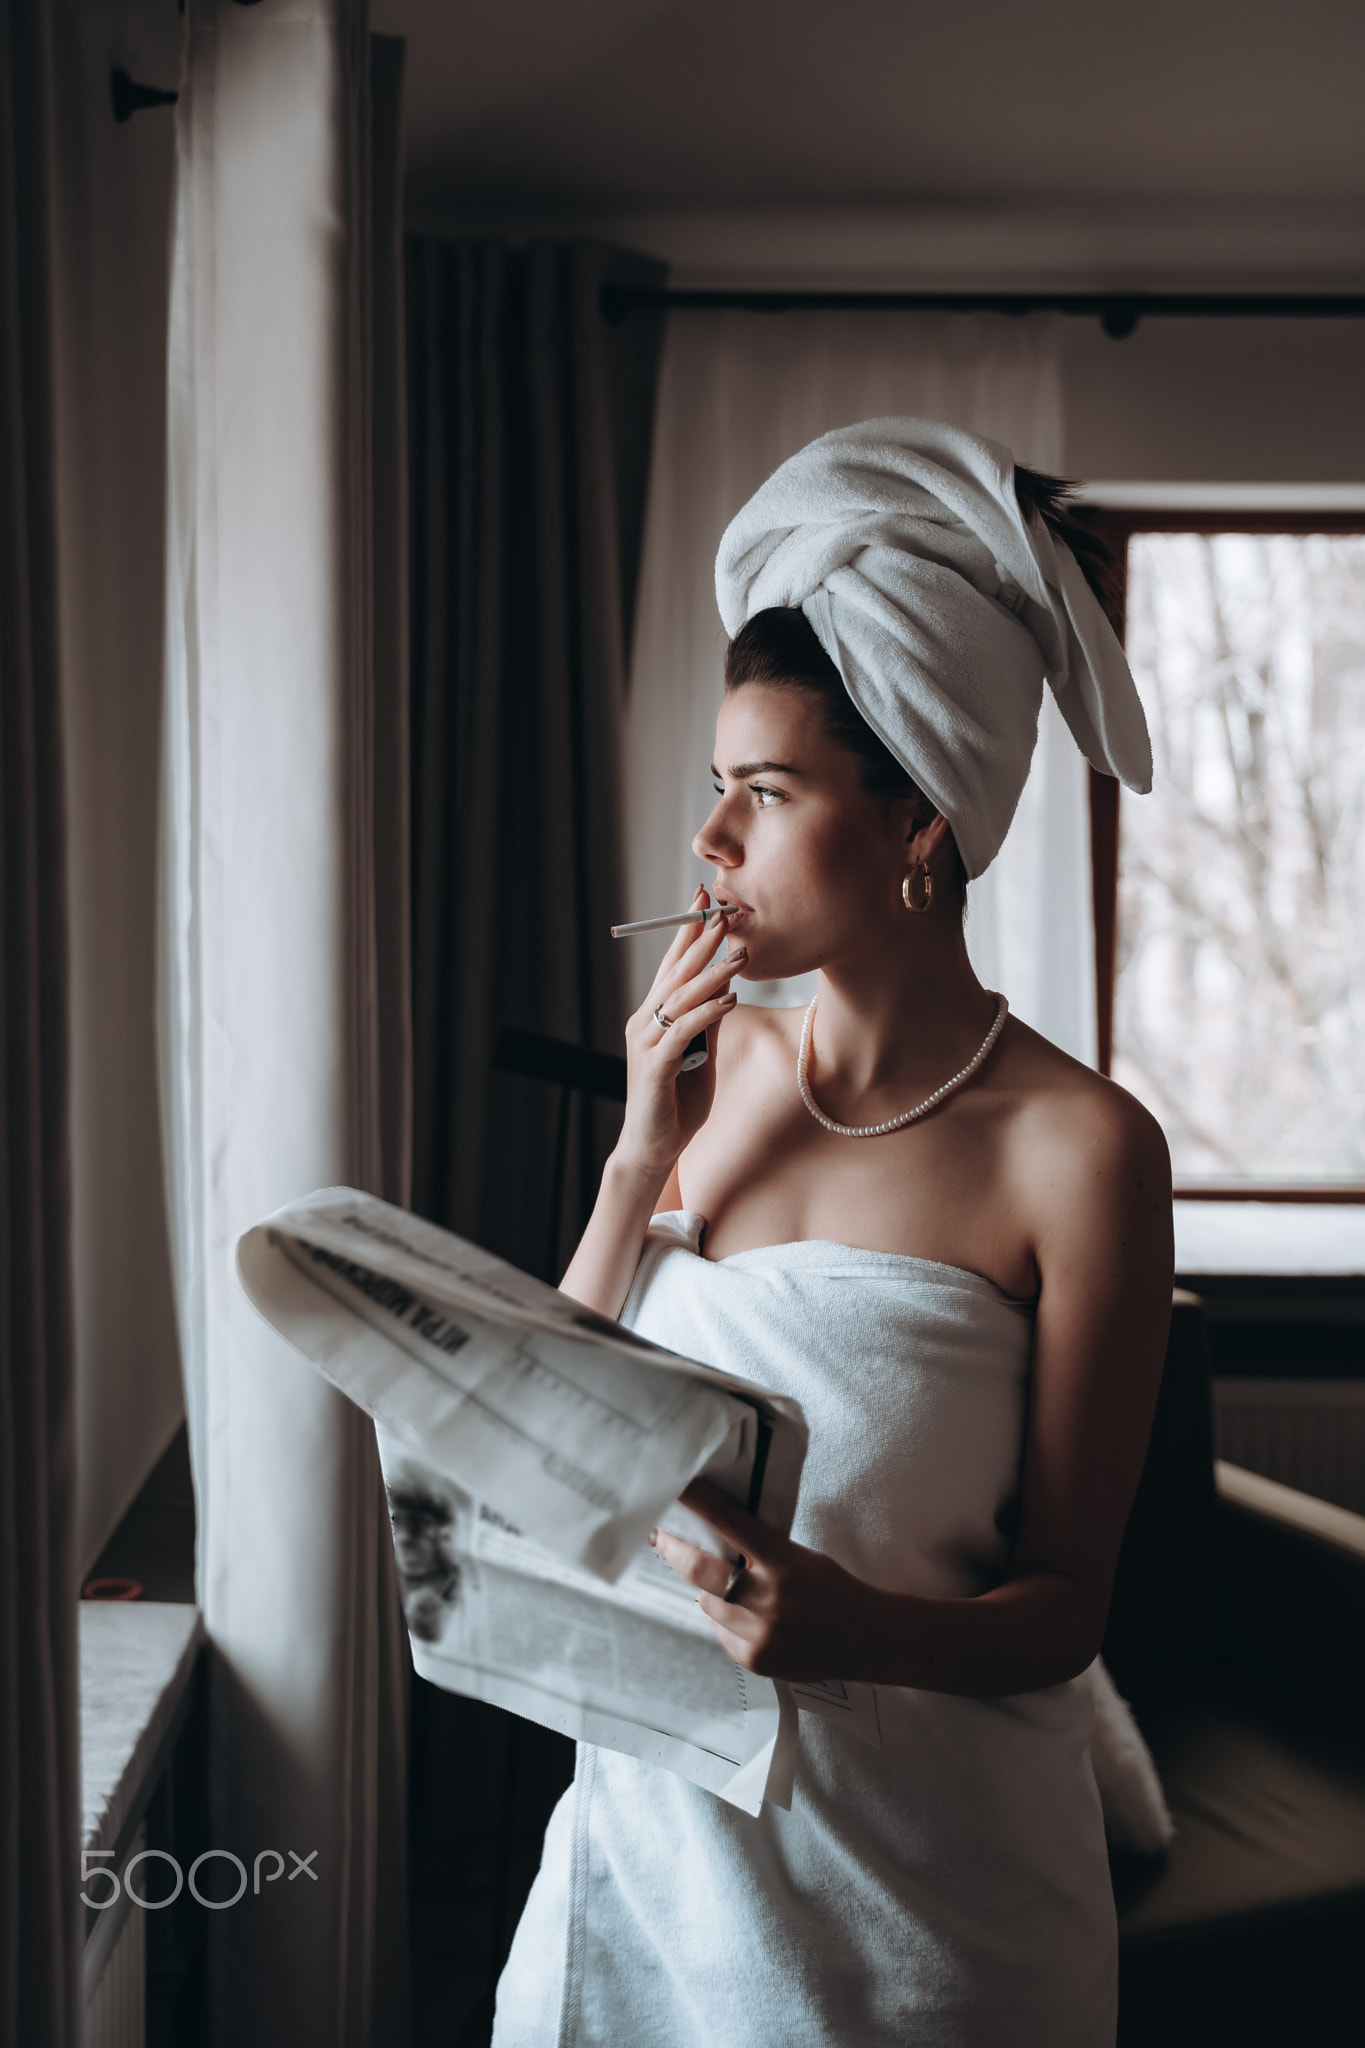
(1240, 997)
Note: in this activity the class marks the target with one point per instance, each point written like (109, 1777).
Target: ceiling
(571, 106)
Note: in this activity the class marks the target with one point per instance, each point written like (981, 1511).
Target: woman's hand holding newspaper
(791, 1612)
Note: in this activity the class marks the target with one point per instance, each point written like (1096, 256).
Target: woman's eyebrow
(744, 769)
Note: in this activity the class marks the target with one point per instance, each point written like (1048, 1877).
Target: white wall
(1226, 400)
(113, 199)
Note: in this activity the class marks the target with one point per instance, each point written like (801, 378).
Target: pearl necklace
(893, 1123)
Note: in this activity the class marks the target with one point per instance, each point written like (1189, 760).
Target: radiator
(1305, 1433)
(115, 1974)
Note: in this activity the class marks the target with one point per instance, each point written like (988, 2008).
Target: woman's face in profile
(814, 862)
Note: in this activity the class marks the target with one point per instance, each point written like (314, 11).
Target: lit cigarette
(695, 915)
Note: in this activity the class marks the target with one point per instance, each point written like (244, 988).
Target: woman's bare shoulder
(1076, 1137)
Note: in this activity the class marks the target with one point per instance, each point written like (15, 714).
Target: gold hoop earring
(907, 891)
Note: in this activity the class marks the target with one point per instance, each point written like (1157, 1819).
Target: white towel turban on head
(942, 608)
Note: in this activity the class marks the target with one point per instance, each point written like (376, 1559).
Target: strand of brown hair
(1053, 500)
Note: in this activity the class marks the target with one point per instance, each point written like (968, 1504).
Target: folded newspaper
(529, 1446)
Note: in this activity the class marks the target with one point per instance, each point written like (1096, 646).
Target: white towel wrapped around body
(950, 1886)
(943, 608)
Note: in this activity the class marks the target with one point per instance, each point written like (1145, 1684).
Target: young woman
(947, 1239)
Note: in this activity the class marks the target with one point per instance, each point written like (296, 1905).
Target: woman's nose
(713, 842)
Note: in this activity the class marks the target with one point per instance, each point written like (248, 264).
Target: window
(1237, 953)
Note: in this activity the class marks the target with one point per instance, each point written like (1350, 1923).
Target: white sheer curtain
(738, 393)
(273, 1030)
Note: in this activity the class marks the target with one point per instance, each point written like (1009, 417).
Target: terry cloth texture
(951, 1888)
(942, 608)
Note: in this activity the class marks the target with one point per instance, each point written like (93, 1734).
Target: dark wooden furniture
(1238, 1634)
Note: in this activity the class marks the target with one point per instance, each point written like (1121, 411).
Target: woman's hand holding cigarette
(666, 1107)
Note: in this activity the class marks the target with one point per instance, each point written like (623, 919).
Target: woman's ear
(925, 832)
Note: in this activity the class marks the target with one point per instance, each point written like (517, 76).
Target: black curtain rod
(1117, 312)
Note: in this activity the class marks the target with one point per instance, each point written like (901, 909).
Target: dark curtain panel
(529, 431)
(389, 552)
(39, 1755)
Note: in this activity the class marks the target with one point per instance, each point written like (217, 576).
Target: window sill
(137, 1660)
(1270, 1238)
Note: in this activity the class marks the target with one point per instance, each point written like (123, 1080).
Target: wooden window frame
(1118, 524)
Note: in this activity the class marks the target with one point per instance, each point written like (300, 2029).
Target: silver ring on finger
(737, 1571)
(664, 1023)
